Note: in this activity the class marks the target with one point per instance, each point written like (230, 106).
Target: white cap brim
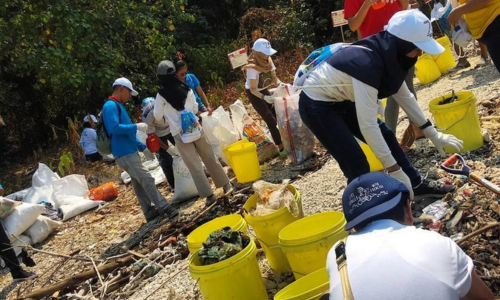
(269, 51)
(134, 92)
(432, 47)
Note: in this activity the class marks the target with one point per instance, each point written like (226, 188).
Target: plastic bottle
(105, 191)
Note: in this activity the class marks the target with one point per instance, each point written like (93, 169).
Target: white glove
(142, 127)
(269, 99)
(172, 150)
(441, 140)
(401, 176)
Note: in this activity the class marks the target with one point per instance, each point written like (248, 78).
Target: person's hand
(441, 140)
(269, 99)
(172, 150)
(454, 16)
(210, 110)
(401, 176)
(142, 126)
(141, 147)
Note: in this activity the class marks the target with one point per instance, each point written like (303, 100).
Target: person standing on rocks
(176, 102)
(124, 146)
(402, 262)
(339, 101)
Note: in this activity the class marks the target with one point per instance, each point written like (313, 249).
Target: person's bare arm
(356, 21)
(478, 289)
(254, 89)
(204, 99)
(469, 6)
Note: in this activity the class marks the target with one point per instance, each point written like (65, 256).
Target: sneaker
(170, 212)
(23, 276)
(210, 200)
(431, 189)
(153, 214)
(228, 189)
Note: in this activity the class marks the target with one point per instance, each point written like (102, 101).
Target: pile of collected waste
(272, 197)
(221, 245)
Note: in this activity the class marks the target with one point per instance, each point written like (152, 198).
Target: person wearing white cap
(339, 101)
(88, 139)
(124, 146)
(260, 62)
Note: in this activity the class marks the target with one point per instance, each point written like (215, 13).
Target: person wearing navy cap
(389, 258)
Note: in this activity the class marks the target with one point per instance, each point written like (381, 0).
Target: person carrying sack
(389, 258)
(176, 102)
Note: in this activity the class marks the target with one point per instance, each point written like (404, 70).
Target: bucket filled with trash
(226, 267)
(270, 209)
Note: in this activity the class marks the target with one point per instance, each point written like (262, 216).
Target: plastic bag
(18, 196)
(20, 243)
(249, 129)
(7, 206)
(436, 209)
(459, 33)
(42, 228)
(185, 188)
(43, 177)
(220, 131)
(273, 197)
(190, 127)
(74, 205)
(297, 137)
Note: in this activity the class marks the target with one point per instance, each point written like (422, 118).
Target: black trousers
(7, 253)
(268, 114)
(491, 38)
(166, 160)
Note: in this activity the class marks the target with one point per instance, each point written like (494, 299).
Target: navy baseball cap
(370, 195)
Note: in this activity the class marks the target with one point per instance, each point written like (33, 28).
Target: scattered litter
(437, 210)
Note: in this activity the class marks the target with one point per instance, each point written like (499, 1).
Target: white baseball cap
(414, 27)
(86, 118)
(263, 46)
(126, 83)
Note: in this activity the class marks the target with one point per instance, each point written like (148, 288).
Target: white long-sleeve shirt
(329, 84)
(162, 107)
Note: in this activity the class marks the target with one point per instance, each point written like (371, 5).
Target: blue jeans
(335, 124)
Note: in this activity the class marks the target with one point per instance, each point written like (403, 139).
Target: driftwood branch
(477, 232)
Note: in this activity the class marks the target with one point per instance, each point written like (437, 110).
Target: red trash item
(378, 5)
(153, 143)
(105, 191)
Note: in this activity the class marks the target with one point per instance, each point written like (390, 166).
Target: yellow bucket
(458, 118)
(237, 277)
(375, 164)
(306, 242)
(426, 69)
(244, 161)
(268, 227)
(224, 150)
(445, 60)
(309, 287)
(200, 234)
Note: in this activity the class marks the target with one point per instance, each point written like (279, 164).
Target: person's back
(119, 126)
(388, 260)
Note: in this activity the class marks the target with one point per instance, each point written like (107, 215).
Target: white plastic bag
(249, 129)
(21, 219)
(42, 228)
(185, 188)
(71, 185)
(220, 131)
(41, 195)
(18, 196)
(74, 205)
(459, 33)
(208, 124)
(44, 176)
(297, 137)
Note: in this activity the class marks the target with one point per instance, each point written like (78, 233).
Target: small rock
(270, 285)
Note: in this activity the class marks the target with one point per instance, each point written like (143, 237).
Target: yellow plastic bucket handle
(460, 120)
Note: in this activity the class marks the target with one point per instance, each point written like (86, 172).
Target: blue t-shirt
(123, 132)
(193, 83)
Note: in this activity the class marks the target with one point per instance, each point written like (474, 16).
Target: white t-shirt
(163, 108)
(388, 260)
(88, 141)
(254, 74)
(328, 84)
(160, 128)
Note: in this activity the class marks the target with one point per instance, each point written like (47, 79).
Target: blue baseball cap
(370, 195)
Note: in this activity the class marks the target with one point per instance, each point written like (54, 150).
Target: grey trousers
(193, 154)
(392, 107)
(143, 184)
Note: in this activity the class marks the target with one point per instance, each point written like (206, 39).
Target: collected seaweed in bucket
(449, 100)
(221, 245)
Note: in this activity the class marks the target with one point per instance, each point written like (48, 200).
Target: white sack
(42, 228)
(76, 205)
(21, 219)
(185, 188)
(7, 206)
(43, 176)
(18, 196)
(18, 245)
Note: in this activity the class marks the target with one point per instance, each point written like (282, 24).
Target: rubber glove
(401, 176)
(172, 150)
(269, 99)
(141, 147)
(441, 140)
(142, 127)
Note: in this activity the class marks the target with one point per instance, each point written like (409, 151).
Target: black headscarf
(379, 61)
(173, 90)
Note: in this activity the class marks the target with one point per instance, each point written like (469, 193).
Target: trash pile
(272, 197)
(221, 245)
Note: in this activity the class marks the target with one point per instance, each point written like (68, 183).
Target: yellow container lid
(312, 228)
(242, 148)
(311, 286)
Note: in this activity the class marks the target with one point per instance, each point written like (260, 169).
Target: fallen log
(477, 232)
(76, 279)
